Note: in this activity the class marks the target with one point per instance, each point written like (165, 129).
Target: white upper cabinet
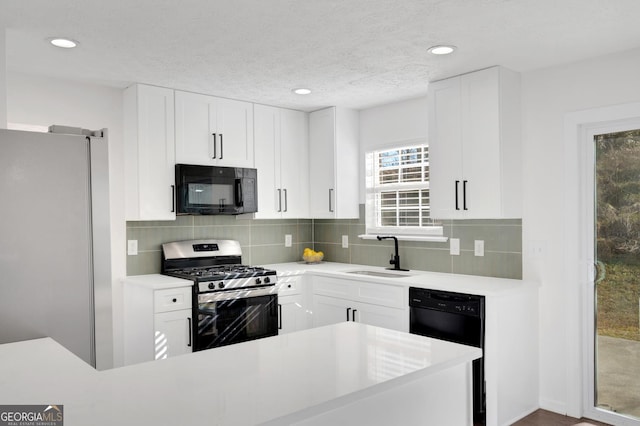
(474, 146)
(333, 164)
(213, 131)
(282, 158)
(149, 153)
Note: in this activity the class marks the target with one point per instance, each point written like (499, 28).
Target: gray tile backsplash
(262, 242)
(502, 242)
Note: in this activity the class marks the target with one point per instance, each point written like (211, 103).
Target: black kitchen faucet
(395, 259)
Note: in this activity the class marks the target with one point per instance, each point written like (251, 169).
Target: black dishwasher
(454, 317)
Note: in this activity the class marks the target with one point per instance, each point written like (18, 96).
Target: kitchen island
(343, 373)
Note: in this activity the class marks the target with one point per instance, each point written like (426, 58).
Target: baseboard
(557, 407)
(521, 416)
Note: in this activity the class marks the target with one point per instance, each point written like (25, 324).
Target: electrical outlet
(478, 247)
(287, 240)
(538, 249)
(132, 247)
(345, 241)
(454, 246)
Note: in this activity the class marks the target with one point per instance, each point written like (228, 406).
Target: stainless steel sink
(379, 274)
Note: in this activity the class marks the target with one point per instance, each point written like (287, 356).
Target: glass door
(615, 295)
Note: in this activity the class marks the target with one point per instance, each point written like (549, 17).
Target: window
(398, 191)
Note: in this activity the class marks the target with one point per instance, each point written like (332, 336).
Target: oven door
(228, 317)
(209, 190)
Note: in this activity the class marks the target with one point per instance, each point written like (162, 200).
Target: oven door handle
(221, 296)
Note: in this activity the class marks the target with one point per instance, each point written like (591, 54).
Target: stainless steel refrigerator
(55, 268)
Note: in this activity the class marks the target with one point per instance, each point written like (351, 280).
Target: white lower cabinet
(380, 316)
(336, 300)
(172, 333)
(293, 314)
(157, 318)
(331, 310)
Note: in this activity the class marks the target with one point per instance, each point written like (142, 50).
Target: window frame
(373, 211)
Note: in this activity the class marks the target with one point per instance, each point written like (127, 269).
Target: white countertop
(484, 286)
(248, 383)
(473, 284)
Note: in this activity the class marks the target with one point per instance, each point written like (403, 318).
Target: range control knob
(258, 281)
(267, 280)
(220, 284)
(212, 286)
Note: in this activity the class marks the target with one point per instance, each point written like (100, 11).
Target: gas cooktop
(214, 265)
(221, 272)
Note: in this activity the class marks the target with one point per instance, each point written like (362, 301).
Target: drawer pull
(175, 300)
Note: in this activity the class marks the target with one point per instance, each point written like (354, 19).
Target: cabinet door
(445, 149)
(292, 315)
(234, 121)
(172, 333)
(381, 316)
(267, 161)
(322, 187)
(329, 310)
(294, 163)
(347, 163)
(481, 156)
(195, 126)
(150, 153)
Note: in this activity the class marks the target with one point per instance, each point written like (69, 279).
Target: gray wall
(263, 243)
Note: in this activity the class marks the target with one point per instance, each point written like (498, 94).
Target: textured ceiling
(355, 53)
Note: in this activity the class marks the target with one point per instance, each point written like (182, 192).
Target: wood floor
(547, 418)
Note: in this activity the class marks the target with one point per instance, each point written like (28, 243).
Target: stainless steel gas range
(232, 302)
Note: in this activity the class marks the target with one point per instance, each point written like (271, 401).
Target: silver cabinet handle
(286, 202)
(330, 200)
(279, 199)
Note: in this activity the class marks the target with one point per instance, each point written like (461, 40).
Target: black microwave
(215, 190)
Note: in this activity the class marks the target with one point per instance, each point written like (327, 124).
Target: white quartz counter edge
(288, 376)
(158, 281)
(472, 284)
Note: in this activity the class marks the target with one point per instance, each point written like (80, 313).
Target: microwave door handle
(239, 196)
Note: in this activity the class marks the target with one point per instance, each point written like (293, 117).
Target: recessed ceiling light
(442, 49)
(301, 91)
(65, 43)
